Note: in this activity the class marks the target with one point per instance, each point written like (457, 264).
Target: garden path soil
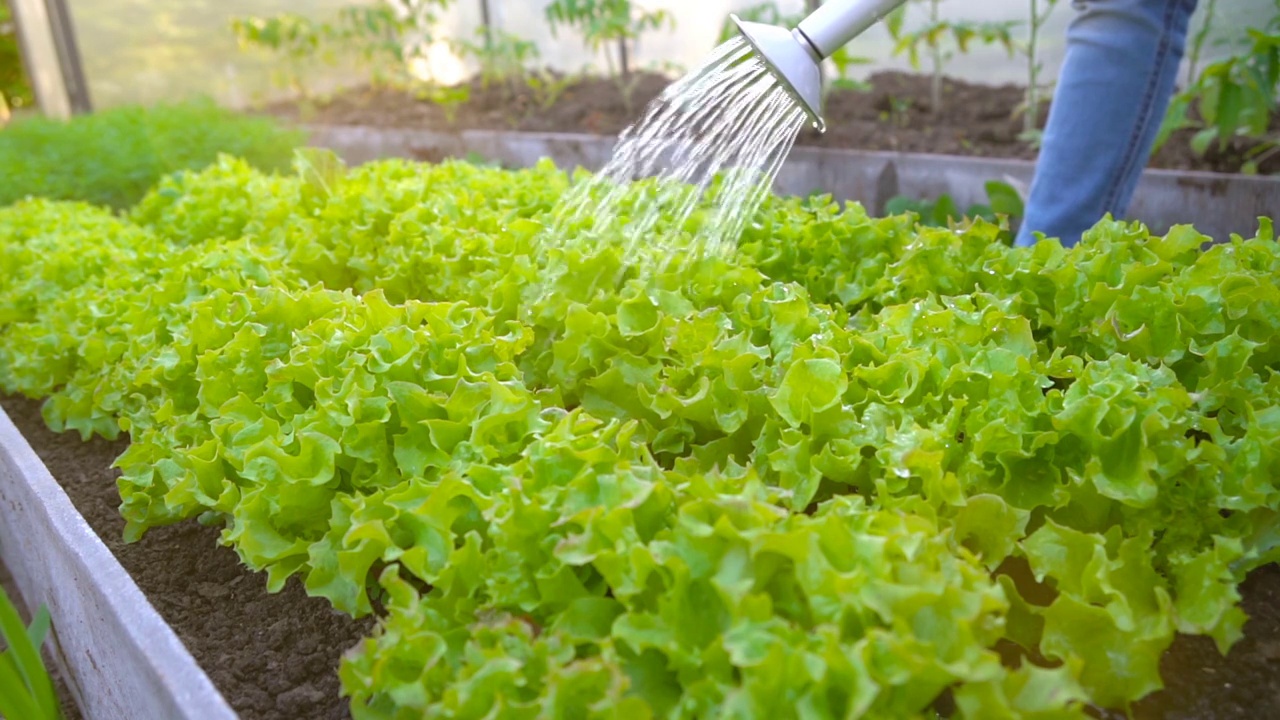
(275, 656)
(894, 114)
(272, 656)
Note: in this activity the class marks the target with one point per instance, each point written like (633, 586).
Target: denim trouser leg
(1118, 75)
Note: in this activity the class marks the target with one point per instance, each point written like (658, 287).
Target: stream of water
(685, 179)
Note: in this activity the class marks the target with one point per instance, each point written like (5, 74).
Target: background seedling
(1234, 98)
(609, 22)
(941, 40)
(1037, 90)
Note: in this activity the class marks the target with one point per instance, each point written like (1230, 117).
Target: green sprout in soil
(610, 22)
(1196, 50)
(1036, 91)
(1004, 208)
(26, 690)
(941, 40)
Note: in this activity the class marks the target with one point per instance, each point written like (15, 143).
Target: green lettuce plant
(842, 468)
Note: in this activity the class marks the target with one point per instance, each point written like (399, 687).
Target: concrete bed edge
(119, 658)
(1217, 204)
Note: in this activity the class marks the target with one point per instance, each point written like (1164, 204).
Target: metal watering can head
(795, 56)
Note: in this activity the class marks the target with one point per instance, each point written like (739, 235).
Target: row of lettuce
(854, 467)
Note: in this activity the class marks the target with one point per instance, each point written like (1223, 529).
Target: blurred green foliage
(1236, 97)
(606, 22)
(1004, 209)
(610, 22)
(114, 157)
(383, 38)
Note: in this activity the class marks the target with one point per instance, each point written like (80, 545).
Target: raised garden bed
(881, 143)
(893, 116)
(270, 655)
(1218, 205)
(114, 655)
(367, 377)
(275, 656)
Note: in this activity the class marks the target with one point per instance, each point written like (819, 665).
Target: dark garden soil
(1200, 684)
(895, 115)
(275, 656)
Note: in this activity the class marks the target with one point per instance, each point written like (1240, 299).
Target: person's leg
(1118, 75)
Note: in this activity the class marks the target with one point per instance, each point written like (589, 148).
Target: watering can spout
(795, 56)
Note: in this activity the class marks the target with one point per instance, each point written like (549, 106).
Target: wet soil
(275, 656)
(272, 656)
(893, 114)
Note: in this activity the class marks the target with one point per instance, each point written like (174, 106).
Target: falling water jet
(729, 120)
(714, 141)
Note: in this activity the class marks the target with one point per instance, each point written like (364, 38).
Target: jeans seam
(1144, 117)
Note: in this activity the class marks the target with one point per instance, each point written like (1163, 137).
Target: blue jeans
(1118, 75)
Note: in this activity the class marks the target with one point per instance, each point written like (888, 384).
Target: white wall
(147, 50)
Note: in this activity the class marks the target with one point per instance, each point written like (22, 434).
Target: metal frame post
(51, 56)
(62, 27)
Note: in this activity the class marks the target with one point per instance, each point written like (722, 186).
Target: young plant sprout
(1040, 12)
(1233, 99)
(941, 39)
(604, 23)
